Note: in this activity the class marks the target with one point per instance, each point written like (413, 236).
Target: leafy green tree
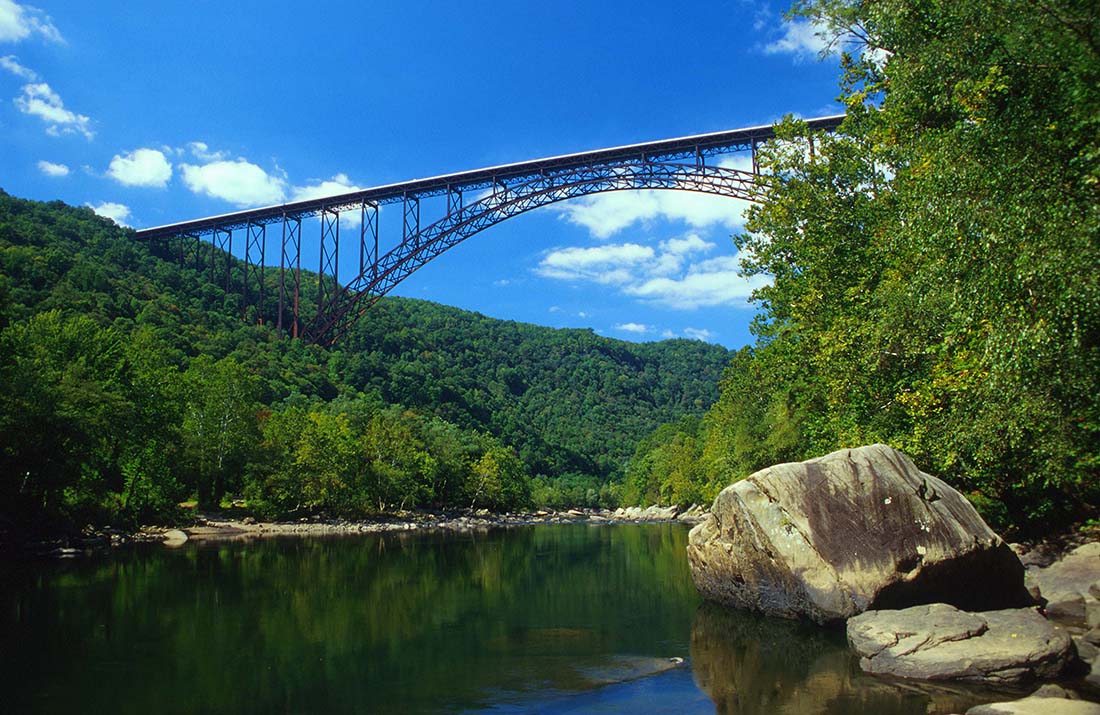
(219, 425)
(62, 412)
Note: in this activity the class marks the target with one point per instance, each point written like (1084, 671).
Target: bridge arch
(350, 302)
(502, 192)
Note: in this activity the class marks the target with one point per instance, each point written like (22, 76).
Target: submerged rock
(940, 642)
(855, 530)
(1047, 700)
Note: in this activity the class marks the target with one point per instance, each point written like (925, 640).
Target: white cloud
(699, 334)
(339, 184)
(606, 214)
(502, 283)
(18, 22)
(202, 152)
(636, 328)
(116, 212)
(51, 169)
(238, 182)
(11, 64)
(41, 101)
(800, 38)
(710, 283)
(554, 309)
(663, 276)
(608, 265)
(141, 167)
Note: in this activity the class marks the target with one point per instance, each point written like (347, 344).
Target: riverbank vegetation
(131, 384)
(934, 266)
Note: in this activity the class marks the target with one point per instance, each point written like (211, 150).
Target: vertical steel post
(454, 201)
(411, 228)
(255, 238)
(330, 257)
(222, 239)
(368, 239)
(292, 238)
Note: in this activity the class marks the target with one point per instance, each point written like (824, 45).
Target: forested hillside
(131, 384)
(935, 264)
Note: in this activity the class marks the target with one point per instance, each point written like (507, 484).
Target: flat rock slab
(855, 530)
(940, 642)
(1037, 706)
(1071, 585)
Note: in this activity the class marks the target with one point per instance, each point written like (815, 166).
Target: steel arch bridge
(496, 194)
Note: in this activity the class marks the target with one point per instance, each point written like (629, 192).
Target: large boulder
(940, 642)
(858, 529)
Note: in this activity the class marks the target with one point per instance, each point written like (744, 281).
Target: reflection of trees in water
(749, 664)
(396, 622)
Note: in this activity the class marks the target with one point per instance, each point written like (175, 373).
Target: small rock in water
(174, 537)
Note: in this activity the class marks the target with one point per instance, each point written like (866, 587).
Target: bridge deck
(699, 145)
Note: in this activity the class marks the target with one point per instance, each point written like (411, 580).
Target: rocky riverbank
(215, 526)
(927, 590)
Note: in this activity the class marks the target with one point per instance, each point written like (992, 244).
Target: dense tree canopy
(131, 384)
(934, 262)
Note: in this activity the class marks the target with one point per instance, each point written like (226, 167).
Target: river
(554, 619)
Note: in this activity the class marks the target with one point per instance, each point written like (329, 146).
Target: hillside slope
(570, 403)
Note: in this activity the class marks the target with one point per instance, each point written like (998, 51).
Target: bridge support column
(255, 247)
(368, 238)
(411, 227)
(454, 201)
(221, 239)
(292, 258)
(330, 258)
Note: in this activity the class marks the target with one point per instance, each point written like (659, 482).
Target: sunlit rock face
(854, 530)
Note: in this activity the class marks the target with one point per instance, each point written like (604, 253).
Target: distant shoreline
(221, 528)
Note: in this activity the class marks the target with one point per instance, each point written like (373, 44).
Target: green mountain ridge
(76, 290)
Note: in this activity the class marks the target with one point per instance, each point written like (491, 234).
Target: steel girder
(290, 260)
(504, 202)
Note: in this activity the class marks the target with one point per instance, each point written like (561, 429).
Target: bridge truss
(472, 201)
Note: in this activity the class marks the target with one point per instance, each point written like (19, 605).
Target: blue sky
(164, 111)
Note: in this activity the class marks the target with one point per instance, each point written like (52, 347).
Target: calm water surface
(554, 619)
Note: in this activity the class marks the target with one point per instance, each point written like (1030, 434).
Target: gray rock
(1086, 649)
(855, 530)
(940, 642)
(1070, 585)
(174, 537)
(1044, 701)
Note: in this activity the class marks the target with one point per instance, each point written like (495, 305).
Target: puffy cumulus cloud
(18, 22)
(339, 184)
(606, 214)
(636, 328)
(11, 64)
(699, 334)
(800, 38)
(675, 275)
(239, 182)
(118, 213)
(713, 282)
(40, 101)
(608, 265)
(51, 169)
(141, 167)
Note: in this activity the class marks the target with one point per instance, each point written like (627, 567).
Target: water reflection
(558, 619)
(751, 665)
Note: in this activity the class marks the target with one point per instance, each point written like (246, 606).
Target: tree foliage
(131, 384)
(933, 262)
